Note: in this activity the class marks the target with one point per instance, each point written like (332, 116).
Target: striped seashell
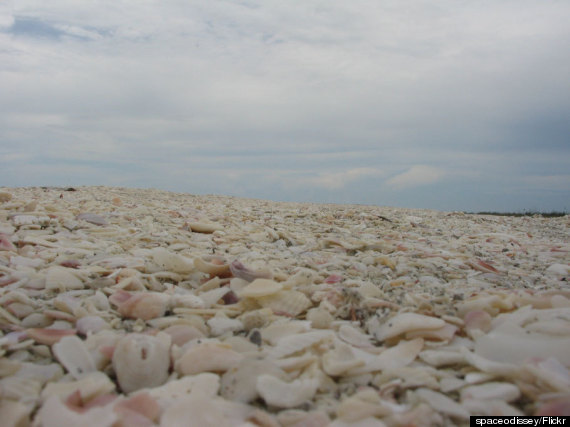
(288, 303)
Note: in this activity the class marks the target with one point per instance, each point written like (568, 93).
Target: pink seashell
(142, 407)
(145, 306)
(478, 319)
(243, 272)
(333, 278)
(48, 336)
(5, 243)
(70, 263)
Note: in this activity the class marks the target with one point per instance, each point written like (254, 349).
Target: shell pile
(123, 307)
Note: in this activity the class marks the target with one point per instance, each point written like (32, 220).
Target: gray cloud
(335, 101)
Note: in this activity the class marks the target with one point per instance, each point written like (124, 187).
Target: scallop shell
(319, 318)
(141, 361)
(207, 357)
(290, 303)
(74, 356)
(280, 394)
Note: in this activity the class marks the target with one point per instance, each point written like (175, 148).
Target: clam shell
(215, 266)
(281, 394)
(141, 361)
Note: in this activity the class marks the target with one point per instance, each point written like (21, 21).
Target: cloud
(416, 176)
(340, 179)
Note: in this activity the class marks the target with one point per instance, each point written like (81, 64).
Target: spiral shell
(141, 361)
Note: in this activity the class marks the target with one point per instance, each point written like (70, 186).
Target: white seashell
(289, 364)
(91, 325)
(319, 318)
(260, 288)
(442, 403)
(215, 266)
(294, 343)
(207, 357)
(61, 279)
(141, 305)
(256, 318)
(221, 324)
(74, 356)
(280, 394)
(25, 390)
(439, 358)
(91, 385)
(207, 384)
(395, 357)
(13, 413)
(213, 296)
(409, 377)
(364, 404)
(491, 391)
(239, 382)
(290, 303)
(353, 336)
(141, 361)
(277, 330)
(187, 300)
(365, 422)
(491, 408)
(406, 322)
(54, 413)
(181, 334)
(170, 261)
(339, 360)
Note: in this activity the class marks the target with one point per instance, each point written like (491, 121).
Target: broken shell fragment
(281, 394)
(406, 322)
(141, 361)
(74, 356)
(207, 357)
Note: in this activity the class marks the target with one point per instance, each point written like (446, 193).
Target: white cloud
(416, 176)
(340, 179)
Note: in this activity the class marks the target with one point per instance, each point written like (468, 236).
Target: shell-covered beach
(130, 307)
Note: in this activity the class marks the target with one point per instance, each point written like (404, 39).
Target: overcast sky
(448, 104)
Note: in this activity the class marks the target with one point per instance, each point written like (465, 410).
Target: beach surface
(123, 307)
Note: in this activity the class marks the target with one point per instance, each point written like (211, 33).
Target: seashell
(554, 407)
(395, 357)
(207, 384)
(280, 394)
(207, 357)
(289, 303)
(213, 265)
(241, 271)
(550, 372)
(41, 373)
(406, 322)
(36, 320)
(6, 244)
(339, 360)
(260, 288)
(62, 279)
(364, 404)
(442, 403)
(290, 364)
(354, 337)
(408, 377)
(144, 305)
(92, 218)
(13, 413)
(74, 356)
(204, 227)
(319, 318)
(181, 334)
(440, 358)
(187, 300)
(91, 325)
(239, 383)
(221, 324)
(25, 390)
(477, 320)
(169, 261)
(256, 318)
(54, 413)
(141, 361)
(212, 297)
(89, 386)
(491, 391)
(294, 343)
(445, 333)
(277, 330)
(48, 336)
